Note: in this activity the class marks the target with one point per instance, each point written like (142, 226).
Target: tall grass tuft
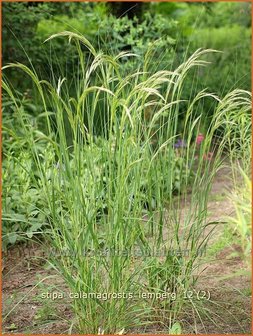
(116, 175)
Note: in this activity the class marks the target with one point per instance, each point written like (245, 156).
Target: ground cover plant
(112, 172)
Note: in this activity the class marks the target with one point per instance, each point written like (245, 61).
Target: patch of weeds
(247, 291)
(217, 197)
(10, 301)
(223, 241)
(12, 327)
(45, 313)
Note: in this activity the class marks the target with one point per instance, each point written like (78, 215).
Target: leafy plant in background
(20, 203)
(221, 26)
(22, 198)
(115, 35)
(233, 41)
(179, 28)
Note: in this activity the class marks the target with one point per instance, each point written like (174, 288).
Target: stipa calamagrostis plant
(98, 185)
(241, 221)
(237, 128)
(236, 125)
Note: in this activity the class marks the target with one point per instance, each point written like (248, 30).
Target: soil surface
(225, 278)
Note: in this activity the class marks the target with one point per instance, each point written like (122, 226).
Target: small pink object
(208, 156)
(200, 138)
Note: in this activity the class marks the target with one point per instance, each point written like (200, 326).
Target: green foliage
(241, 198)
(228, 14)
(221, 28)
(112, 35)
(26, 45)
(135, 36)
(176, 329)
(90, 159)
(177, 28)
(22, 218)
(91, 193)
(16, 16)
(234, 44)
(213, 15)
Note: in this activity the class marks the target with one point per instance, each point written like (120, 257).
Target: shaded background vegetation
(113, 27)
(175, 29)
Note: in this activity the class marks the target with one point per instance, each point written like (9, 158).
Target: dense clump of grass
(113, 219)
(241, 221)
(237, 131)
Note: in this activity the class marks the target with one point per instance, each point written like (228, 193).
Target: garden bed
(227, 312)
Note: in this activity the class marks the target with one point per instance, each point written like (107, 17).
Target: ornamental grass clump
(110, 177)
